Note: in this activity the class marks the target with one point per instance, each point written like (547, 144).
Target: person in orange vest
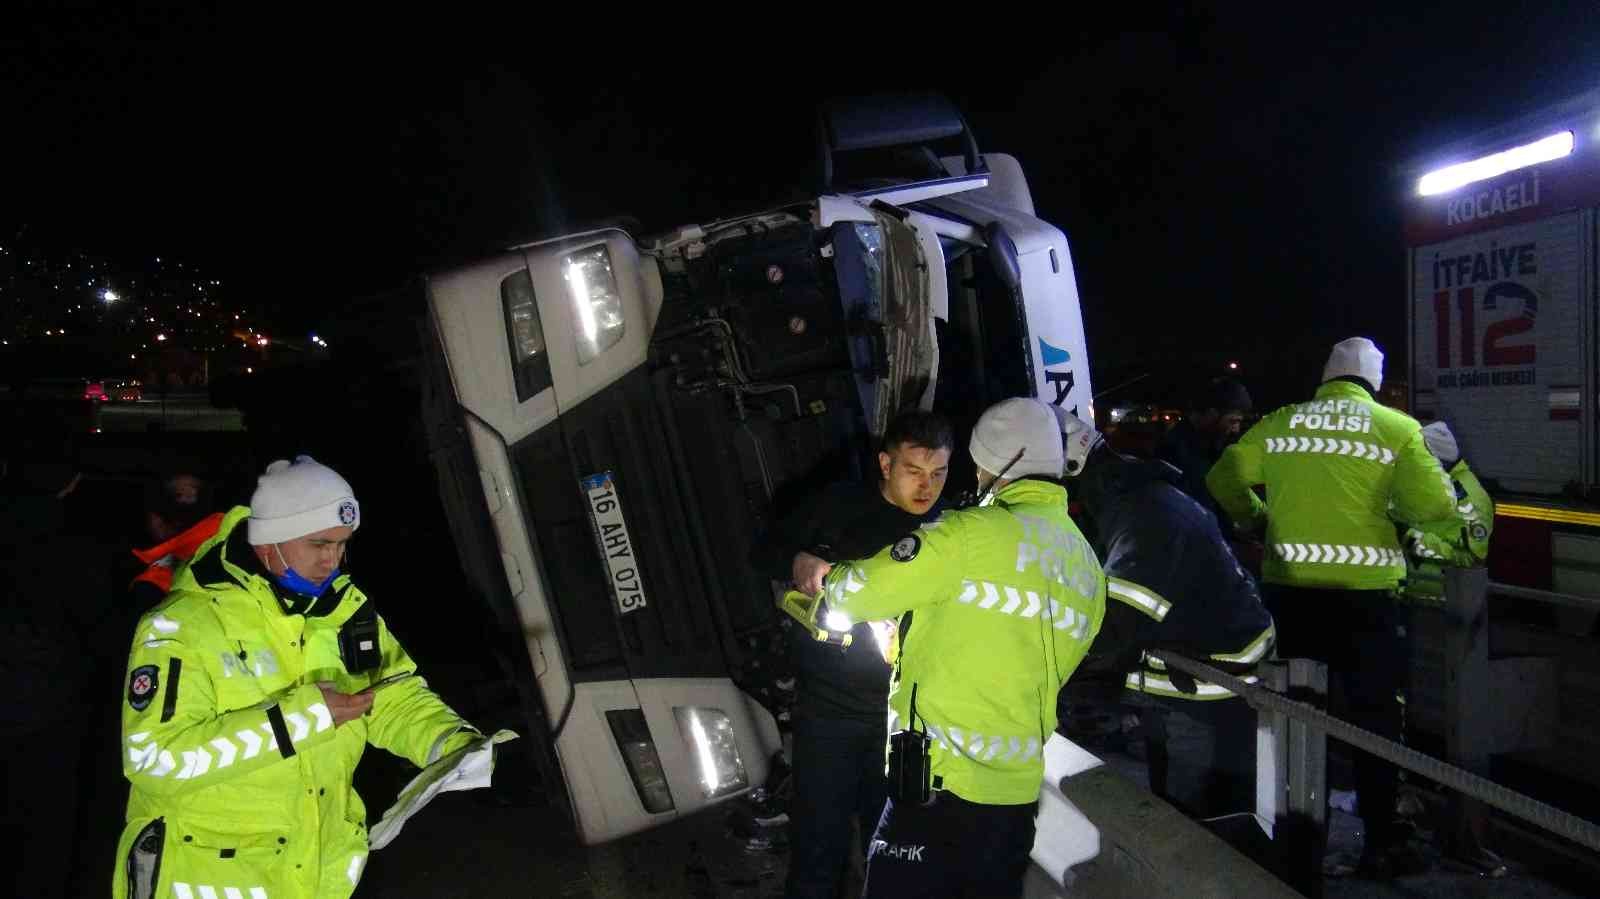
(179, 516)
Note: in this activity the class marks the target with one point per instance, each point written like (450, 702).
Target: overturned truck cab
(632, 412)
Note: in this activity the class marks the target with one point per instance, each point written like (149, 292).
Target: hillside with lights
(164, 322)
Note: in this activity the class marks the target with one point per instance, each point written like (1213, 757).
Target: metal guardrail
(1571, 600)
(1552, 819)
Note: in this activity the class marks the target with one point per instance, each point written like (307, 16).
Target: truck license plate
(611, 535)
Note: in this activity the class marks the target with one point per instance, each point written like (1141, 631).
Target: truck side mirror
(907, 121)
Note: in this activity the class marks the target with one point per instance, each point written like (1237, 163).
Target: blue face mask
(298, 583)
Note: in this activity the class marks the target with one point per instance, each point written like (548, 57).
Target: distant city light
(1233, 366)
(109, 295)
(261, 341)
(249, 371)
(161, 337)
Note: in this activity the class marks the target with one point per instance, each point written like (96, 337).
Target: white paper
(468, 768)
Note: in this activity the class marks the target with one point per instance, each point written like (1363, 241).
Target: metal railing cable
(1560, 599)
(1552, 819)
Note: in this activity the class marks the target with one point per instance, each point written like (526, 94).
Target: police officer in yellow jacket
(1340, 471)
(1462, 539)
(252, 691)
(998, 605)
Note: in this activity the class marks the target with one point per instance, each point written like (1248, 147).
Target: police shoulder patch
(142, 683)
(906, 548)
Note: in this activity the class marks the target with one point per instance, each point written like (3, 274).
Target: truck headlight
(595, 299)
(709, 735)
(639, 753)
(529, 361)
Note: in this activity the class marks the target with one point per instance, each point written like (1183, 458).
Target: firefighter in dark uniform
(840, 718)
(1173, 583)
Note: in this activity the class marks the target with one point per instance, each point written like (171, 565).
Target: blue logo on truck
(1062, 381)
(1053, 355)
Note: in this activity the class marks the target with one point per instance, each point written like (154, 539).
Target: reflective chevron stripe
(323, 716)
(1024, 604)
(1142, 598)
(195, 763)
(252, 743)
(206, 891)
(979, 747)
(1338, 554)
(1329, 446)
(150, 759)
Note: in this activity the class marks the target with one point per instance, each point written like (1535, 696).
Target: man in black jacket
(1177, 586)
(841, 711)
(1194, 444)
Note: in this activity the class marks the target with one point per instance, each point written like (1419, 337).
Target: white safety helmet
(1441, 442)
(1078, 440)
(1015, 438)
(1355, 357)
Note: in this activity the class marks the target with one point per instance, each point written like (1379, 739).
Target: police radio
(359, 641)
(910, 773)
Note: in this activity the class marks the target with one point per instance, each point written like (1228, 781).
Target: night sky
(1229, 179)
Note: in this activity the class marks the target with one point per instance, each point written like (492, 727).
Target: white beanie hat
(1017, 424)
(1441, 442)
(1355, 357)
(293, 499)
(1079, 438)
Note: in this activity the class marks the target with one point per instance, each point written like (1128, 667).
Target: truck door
(1032, 255)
